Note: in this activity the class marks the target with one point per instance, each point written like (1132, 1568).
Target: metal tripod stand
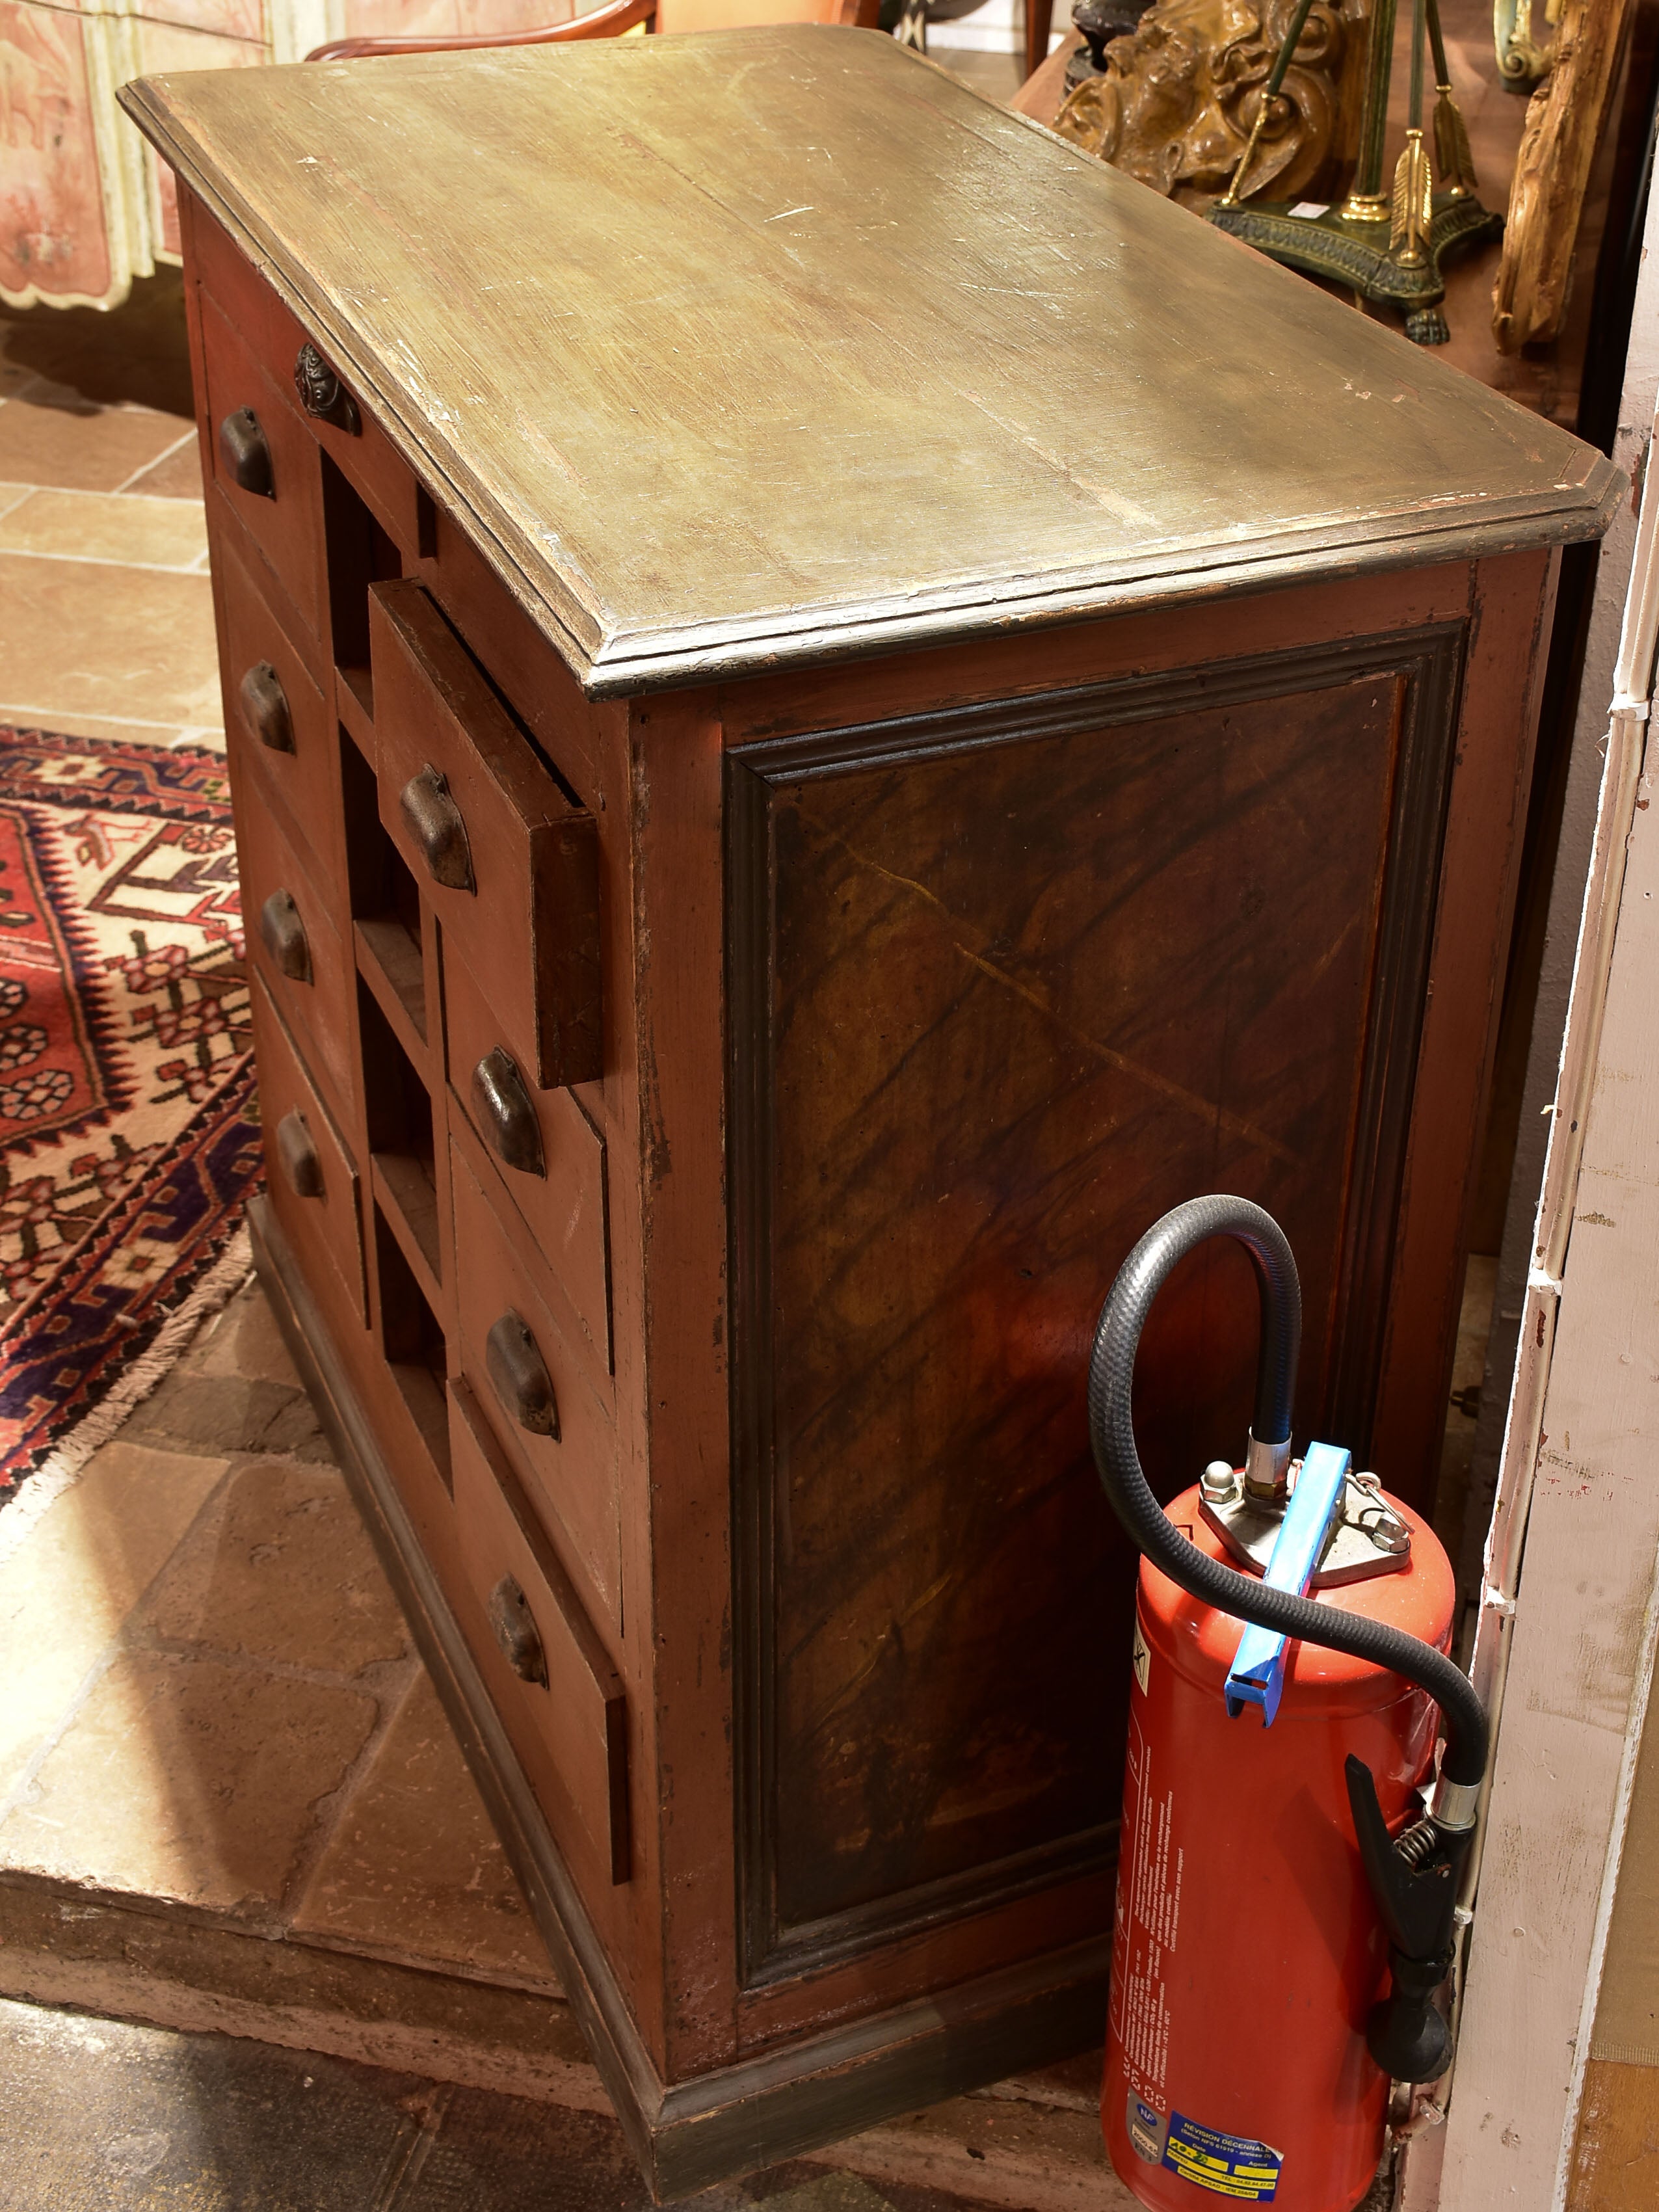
(1387, 246)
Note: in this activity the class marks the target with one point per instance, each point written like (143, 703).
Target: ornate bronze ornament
(1521, 60)
(321, 393)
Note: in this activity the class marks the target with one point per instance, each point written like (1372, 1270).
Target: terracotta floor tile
(106, 525)
(178, 475)
(282, 1570)
(188, 1779)
(66, 1589)
(81, 447)
(414, 1867)
(80, 638)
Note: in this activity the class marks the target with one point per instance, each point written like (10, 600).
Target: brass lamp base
(1358, 253)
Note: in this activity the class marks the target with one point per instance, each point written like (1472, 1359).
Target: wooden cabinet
(850, 706)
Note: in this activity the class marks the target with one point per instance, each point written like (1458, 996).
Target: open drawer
(508, 861)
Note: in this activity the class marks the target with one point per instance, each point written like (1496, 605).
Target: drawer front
(264, 462)
(510, 862)
(296, 948)
(548, 1157)
(314, 1184)
(544, 1412)
(277, 723)
(549, 1676)
(300, 370)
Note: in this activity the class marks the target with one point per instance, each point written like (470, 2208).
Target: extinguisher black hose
(1111, 1373)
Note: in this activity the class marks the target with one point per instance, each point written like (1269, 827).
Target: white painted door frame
(1565, 1649)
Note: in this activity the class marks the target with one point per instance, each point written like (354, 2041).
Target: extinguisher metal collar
(1457, 1806)
(1266, 1468)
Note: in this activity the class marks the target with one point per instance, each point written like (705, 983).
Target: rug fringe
(62, 1467)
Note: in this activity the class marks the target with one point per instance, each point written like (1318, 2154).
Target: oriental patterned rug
(129, 1142)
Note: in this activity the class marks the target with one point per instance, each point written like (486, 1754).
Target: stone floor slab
(165, 2123)
(121, 1958)
(246, 1341)
(171, 2122)
(115, 729)
(195, 1410)
(414, 1867)
(281, 1570)
(66, 1591)
(191, 1781)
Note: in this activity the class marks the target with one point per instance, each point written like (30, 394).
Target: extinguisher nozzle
(1413, 1878)
(1407, 2034)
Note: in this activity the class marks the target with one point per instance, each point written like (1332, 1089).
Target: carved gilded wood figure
(1180, 95)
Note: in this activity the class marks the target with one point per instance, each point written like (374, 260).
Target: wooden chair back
(612, 21)
(745, 15)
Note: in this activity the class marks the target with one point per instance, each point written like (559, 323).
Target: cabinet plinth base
(686, 2135)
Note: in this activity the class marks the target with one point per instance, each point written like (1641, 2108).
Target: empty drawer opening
(415, 1348)
(360, 553)
(398, 1111)
(385, 902)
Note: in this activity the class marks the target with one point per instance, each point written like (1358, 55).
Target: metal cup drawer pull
(322, 394)
(284, 934)
(439, 828)
(297, 1150)
(516, 1632)
(266, 707)
(507, 1118)
(519, 1375)
(246, 455)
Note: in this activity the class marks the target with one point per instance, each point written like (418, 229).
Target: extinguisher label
(1141, 1658)
(1147, 2127)
(1230, 2166)
(1148, 1921)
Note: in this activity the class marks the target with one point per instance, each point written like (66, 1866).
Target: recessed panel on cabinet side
(1005, 985)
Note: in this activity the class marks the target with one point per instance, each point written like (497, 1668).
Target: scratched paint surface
(725, 336)
(1025, 999)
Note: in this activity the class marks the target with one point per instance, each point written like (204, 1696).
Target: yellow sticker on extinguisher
(1141, 1659)
(1238, 2166)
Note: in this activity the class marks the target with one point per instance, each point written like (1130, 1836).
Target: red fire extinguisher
(1284, 1903)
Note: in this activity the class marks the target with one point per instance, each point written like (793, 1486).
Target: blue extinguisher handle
(1257, 1675)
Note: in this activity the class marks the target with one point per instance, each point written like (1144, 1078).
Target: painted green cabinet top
(772, 346)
